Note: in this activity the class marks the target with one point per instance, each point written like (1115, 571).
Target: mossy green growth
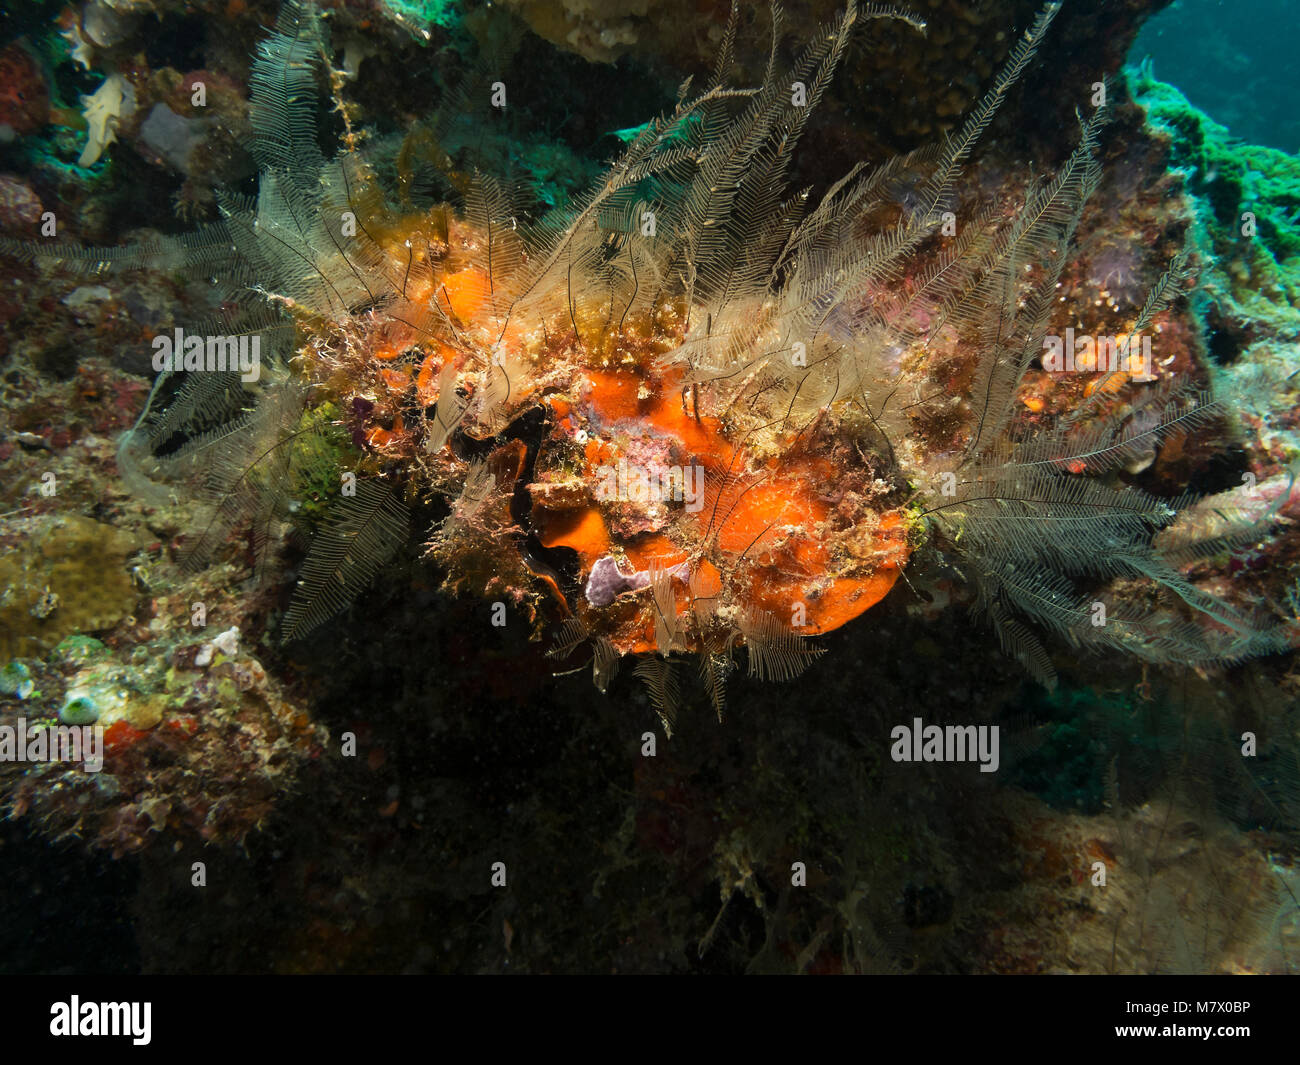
(1083, 729)
(424, 14)
(227, 692)
(1235, 178)
(78, 650)
(914, 519)
(555, 173)
(322, 452)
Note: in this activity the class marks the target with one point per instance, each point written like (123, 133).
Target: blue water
(1237, 60)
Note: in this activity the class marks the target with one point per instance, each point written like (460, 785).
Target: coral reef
(190, 750)
(1242, 202)
(100, 629)
(753, 354)
(499, 379)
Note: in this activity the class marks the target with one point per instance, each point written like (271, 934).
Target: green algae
(321, 453)
(1232, 176)
(76, 650)
(425, 14)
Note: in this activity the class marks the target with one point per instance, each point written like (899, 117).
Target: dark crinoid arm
(1054, 541)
